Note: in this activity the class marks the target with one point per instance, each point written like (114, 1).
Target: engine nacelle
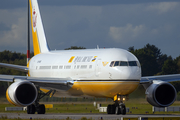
(161, 94)
(21, 93)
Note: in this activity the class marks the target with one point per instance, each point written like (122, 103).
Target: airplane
(107, 73)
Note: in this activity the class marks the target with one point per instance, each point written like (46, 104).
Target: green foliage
(138, 93)
(178, 96)
(84, 118)
(10, 58)
(176, 85)
(148, 57)
(153, 62)
(169, 67)
(177, 61)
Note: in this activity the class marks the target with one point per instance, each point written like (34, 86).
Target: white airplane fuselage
(90, 69)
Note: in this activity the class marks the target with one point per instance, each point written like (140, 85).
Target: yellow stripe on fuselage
(34, 34)
(104, 88)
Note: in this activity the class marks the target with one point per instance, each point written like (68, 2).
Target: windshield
(124, 63)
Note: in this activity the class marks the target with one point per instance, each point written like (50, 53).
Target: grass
(6, 118)
(141, 106)
(73, 108)
(137, 106)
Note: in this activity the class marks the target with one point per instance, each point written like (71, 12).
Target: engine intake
(161, 94)
(21, 93)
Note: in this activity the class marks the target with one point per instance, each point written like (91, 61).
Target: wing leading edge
(16, 67)
(165, 78)
(43, 82)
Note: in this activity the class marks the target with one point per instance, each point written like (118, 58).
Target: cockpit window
(112, 64)
(124, 63)
(116, 63)
(132, 63)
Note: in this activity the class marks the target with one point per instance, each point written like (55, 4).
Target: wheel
(123, 109)
(31, 109)
(117, 112)
(111, 109)
(41, 109)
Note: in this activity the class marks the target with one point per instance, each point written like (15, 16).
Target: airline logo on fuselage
(82, 59)
(94, 59)
(71, 59)
(105, 63)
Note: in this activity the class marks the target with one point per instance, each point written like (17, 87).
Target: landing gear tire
(36, 107)
(41, 109)
(117, 108)
(31, 109)
(117, 112)
(123, 109)
(108, 109)
(111, 109)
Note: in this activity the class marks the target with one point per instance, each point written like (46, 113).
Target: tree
(149, 57)
(169, 67)
(12, 58)
(131, 49)
(177, 61)
(75, 47)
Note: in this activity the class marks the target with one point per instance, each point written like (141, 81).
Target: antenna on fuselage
(97, 46)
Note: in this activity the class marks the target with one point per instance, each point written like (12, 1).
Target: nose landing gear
(118, 107)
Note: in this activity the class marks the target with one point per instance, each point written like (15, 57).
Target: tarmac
(88, 116)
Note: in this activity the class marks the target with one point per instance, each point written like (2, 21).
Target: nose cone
(129, 73)
(125, 66)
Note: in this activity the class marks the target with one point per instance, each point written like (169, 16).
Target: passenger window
(90, 66)
(123, 63)
(132, 63)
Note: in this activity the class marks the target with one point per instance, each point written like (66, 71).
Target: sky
(88, 23)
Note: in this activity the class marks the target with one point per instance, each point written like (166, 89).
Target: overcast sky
(88, 23)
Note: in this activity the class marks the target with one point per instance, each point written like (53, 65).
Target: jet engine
(161, 94)
(21, 93)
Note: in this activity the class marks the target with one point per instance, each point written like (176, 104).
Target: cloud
(163, 7)
(74, 25)
(106, 24)
(126, 33)
(13, 4)
(14, 34)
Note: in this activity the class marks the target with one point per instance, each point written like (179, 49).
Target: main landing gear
(36, 107)
(118, 107)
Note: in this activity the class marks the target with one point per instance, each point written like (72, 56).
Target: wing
(166, 78)
(16, 67)
(56, 83)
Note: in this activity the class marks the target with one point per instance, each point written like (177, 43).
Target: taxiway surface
(79, 116)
